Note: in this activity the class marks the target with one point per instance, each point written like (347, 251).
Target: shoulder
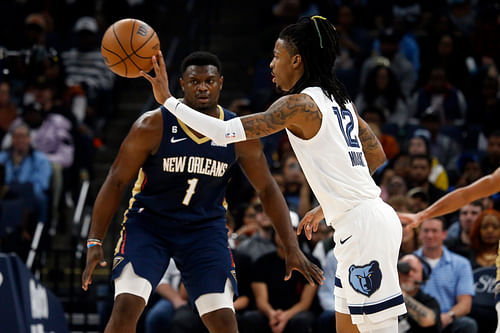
(460, 261)
(149, 121)
(39, 156)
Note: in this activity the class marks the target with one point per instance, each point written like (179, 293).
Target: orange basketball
(127, 47)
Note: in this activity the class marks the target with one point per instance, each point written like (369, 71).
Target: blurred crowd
(423, 74)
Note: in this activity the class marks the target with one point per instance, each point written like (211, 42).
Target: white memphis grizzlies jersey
(333, 160)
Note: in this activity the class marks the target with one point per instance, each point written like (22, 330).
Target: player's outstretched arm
(253, 162)
(137, 146)
(452, 201)
(292, 111)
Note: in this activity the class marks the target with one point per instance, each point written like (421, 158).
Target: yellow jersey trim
(190, 133)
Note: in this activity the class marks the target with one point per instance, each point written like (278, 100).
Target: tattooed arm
(297, 112)
(374, 153)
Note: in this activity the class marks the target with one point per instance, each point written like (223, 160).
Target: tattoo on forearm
(368, 140)
(416, 309)
(279, 115)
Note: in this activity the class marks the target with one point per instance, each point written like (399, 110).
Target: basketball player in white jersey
(327, 135)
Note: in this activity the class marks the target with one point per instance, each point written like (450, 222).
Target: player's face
(286, 69)
(201, 86)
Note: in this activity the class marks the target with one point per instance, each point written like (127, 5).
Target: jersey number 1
(190, 191)
(352, 141)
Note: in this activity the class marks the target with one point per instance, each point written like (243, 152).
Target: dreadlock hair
(201, 58)
(317, 41)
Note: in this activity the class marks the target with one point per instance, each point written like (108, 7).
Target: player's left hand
(159, 83)
(296, 260)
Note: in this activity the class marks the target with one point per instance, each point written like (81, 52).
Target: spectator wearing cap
(86, 69)
(451, 280)
(390, 56)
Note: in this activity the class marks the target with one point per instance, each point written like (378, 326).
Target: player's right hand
(310, 221)
(159, 83)
(94, 256)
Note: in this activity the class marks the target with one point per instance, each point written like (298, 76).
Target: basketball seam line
(123, 49)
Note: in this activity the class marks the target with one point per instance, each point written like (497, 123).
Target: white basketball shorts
(367, 241)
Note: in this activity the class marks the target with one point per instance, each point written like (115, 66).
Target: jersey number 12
(352, 141)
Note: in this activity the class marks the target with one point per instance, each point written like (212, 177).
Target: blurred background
(423, 74)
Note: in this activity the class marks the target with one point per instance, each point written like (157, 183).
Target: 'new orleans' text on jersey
(186, 179)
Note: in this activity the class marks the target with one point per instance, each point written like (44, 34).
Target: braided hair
(317, 41)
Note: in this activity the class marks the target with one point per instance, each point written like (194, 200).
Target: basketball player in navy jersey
(337, 152)
(176, 210)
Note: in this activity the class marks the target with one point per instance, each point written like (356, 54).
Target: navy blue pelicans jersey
(186, 179)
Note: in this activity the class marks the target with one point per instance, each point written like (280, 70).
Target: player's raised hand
(413, 220)
(159, 83)
(296, 260)
(310, 222)
(94, 256)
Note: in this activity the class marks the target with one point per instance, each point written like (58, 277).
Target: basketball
(127, 47)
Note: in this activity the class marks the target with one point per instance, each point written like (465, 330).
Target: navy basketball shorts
(200, 251)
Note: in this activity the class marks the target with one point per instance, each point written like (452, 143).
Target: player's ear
(181, 81)
(296, 61)
(221, 81)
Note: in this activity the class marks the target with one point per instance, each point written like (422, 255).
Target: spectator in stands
(410, 242)
(444, 146)
(247, 223)
(297, 193)
(382, 90)
(419, 145)
(355, 44)
(420, 170)
(469, 170)
(26, 165)
(391, 57)
(440, 97)
(51, 134)
(375, 118)
(394, 186)
(260, 242)
(85, 68)
(418, 199)
(458, 236)
(321, 242)
(451, 280)
(424, 314)
(8, 110)
(159, 317)
(447, 55)
(281, 305)
(484, 237)
(491, 161)
(326, 296)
